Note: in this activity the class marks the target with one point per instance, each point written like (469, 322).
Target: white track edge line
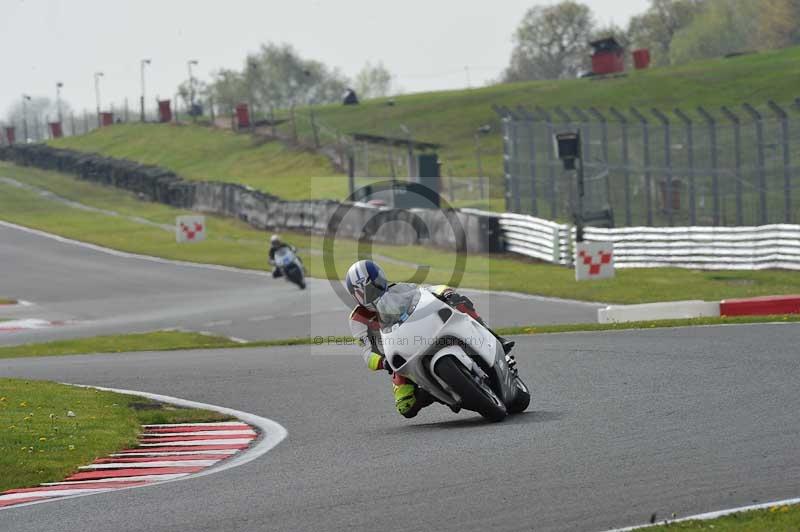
(711, 515)
(272, 434)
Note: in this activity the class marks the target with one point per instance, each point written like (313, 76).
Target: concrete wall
(442, 229)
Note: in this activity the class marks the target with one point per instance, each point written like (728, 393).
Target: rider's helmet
(366, 282)
(275, 241)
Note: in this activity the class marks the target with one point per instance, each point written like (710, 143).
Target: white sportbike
(449, 354)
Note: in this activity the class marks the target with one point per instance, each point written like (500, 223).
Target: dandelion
(23, 404)
(71, 447)
(42, 439)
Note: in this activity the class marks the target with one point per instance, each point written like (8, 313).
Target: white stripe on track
(52, 493)
(217, 424)
(712, 515)
(232, 441)
(272, 434)
(199, 433)
(224, 452)
(146, 478)
(155, 463)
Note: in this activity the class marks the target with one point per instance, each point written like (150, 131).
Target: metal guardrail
(704, 248)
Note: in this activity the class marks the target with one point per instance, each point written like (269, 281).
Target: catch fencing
(703, 248)
(710, 167)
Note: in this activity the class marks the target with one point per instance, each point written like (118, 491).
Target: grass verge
(200, 153)
(41, 442)
(121, 343)
(232, 243)
(786, 517)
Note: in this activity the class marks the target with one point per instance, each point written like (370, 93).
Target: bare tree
(551, 42)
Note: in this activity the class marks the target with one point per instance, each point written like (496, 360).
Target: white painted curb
(658, 311)
(272, 434)
(710, 515)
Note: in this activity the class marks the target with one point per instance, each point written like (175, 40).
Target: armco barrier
(263, 210)
(704, 248)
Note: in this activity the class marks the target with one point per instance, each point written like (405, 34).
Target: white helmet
(275, 239)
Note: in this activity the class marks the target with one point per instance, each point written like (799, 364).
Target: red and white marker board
(190, 228)
(594, 260)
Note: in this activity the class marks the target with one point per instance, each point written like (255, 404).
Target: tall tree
(656, 28)
(778, 23)
(722, 27)
(227, 88)
(373, 81)
(551, 42)
(278, 76)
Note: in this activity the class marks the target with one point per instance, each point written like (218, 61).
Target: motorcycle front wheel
(475, 394)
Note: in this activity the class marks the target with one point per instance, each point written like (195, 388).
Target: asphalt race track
(99, 293)
(622, 424)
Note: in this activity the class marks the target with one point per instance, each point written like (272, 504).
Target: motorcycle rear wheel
(475, 396)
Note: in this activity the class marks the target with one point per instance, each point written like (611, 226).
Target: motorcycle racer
(368, 285)
(275, 243)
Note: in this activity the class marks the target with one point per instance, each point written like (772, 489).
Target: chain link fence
(725, 166)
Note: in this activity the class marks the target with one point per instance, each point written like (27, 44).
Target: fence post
(626, 172)
(647, 175)
(783, 117)
(603, 132)
(502, 112)
(586, 133)
(514, 161)
(667, 162)
(762, 176)
(737, 147)
(712, 133)
(529, 119)
(551, 169)
(687, 122)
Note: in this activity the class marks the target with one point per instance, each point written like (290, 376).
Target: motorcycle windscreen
(284, 257)
(397, 304)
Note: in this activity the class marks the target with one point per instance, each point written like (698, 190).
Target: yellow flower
(2, 399)
(42, 439)
(71, 447)
(23, 403)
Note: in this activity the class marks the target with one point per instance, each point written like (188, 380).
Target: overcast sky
(426, 43)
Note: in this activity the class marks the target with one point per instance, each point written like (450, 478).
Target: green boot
(404, 399)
